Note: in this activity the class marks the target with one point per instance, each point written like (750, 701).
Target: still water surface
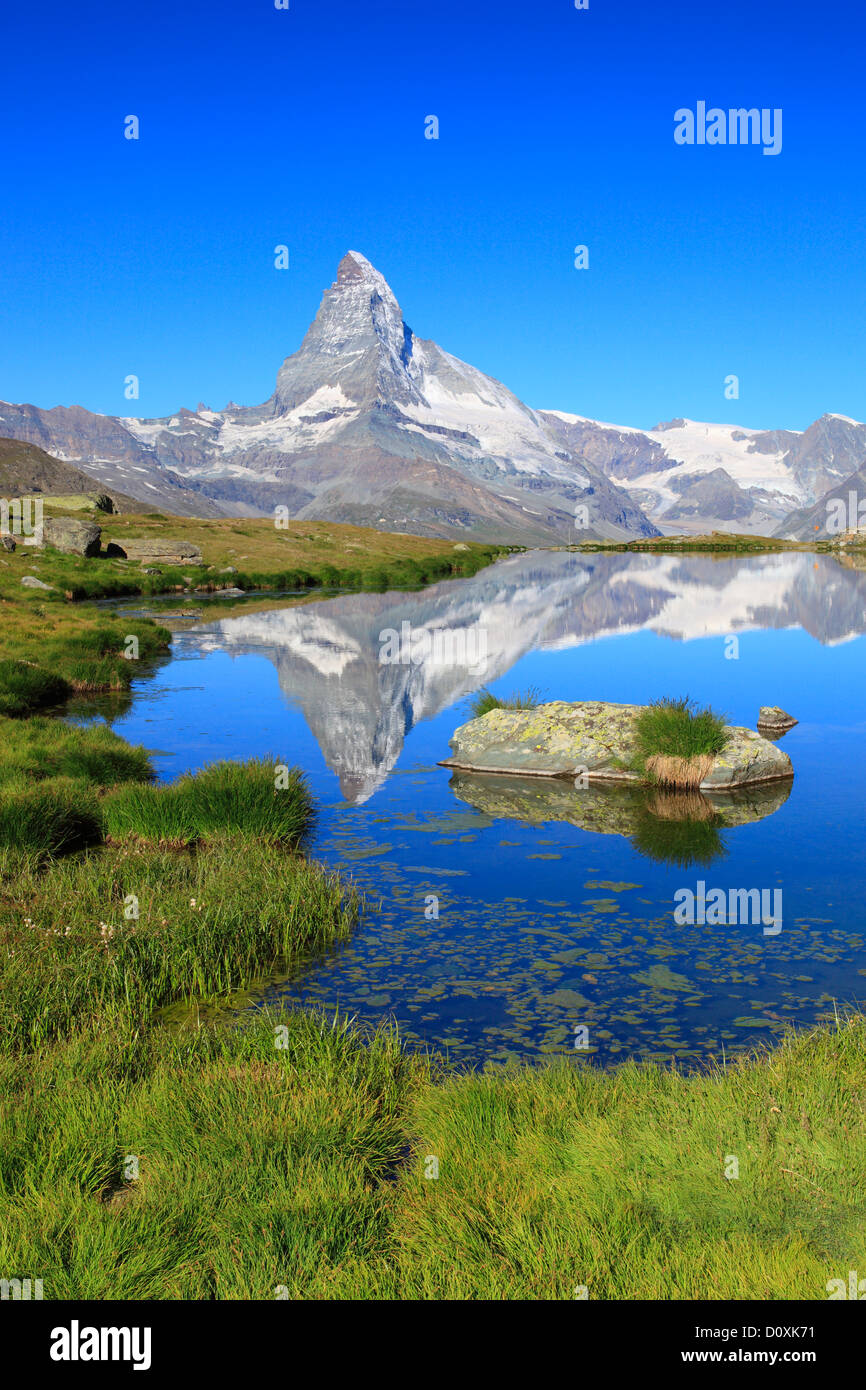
(555, 907)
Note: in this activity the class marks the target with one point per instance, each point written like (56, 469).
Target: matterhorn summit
(358, 347)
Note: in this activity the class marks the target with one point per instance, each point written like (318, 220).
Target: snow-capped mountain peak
(372, 425)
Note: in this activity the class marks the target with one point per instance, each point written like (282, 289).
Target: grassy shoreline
(290, 1155)
(249, 554)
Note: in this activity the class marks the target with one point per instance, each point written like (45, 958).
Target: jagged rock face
(357, 350)
(841, 510)
(713, 495)
(827, 452)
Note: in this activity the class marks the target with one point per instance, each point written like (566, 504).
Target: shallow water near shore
(502, 919)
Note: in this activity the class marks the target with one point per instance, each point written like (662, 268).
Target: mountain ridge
(372, 425)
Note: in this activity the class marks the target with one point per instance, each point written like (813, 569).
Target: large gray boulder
(598, 739)
(72, 536)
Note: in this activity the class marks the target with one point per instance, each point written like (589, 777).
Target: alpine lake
(513, 918)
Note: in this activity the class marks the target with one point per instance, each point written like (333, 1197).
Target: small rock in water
(772, 717)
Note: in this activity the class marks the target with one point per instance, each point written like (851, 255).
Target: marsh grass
(259, 1166)
(50, 818)
(225, 798)
(573, 1176)
(485, 701)
(42, 747)
(209, 924)
(51, 650)
(25, 687)
(302, 1168)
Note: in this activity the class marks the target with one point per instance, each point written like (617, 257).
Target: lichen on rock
(597, 740)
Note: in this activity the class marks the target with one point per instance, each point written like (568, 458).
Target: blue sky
(306, 127)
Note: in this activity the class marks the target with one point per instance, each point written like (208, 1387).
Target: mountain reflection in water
(360, 709)
(502, 913)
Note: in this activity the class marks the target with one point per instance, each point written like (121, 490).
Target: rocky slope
(841, 511)
(26, 470)
(692, 476)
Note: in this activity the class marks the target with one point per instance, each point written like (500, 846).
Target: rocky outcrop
(597, 739)
(71, 536)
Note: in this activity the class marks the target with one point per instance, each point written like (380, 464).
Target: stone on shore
(72, 536)
(157, 550)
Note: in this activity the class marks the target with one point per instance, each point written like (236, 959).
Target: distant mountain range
(371, 425)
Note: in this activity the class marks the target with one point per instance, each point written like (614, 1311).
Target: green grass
(616, 1181)
(48, 651)
(209, 924)
(301, 1168)
(674, 728)
(25, 688)
(261, 798)
(485, 701)
(53, 817)
(260, 1168)
(42, 747)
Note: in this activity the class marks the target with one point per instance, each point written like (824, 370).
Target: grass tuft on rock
(485, 701)
(676, 743)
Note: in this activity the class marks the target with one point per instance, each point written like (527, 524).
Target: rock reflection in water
(675, 828)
